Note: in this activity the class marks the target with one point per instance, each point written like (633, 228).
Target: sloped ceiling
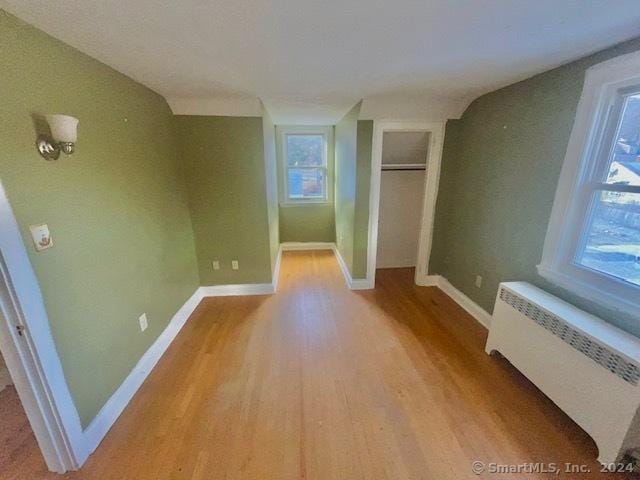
(309, 59)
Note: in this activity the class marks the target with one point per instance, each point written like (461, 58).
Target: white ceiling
(312, 58)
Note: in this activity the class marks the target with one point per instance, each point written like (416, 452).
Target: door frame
(432, 179)
(31, 355)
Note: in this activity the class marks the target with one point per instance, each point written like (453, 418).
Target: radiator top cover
(599, 353)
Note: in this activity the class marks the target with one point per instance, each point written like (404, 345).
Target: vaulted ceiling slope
(310, 57)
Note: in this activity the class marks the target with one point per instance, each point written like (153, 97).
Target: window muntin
(305, 167)
(624, 159)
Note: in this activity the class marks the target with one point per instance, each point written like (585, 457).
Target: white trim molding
(32, 357)
(432, 179)
(353, 284)
(116, 404)
(583, 171)
(275, 275)
(232, 106)
(237, 290)
(326, 131)
(472, 308)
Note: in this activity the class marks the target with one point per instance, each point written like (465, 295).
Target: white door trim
(432, 178)
(32, 358)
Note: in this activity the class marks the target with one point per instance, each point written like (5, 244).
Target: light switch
(41, 237)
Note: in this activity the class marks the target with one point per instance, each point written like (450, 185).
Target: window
(593, 243)
(306, 175)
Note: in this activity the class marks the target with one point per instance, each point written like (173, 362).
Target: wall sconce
(64, 134)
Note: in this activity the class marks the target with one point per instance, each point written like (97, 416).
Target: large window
(593, 243)
(305, 166)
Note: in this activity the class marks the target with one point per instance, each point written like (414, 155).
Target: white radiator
(589, 368)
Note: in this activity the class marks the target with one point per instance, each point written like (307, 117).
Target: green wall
(364, 145)
(346, 152)
(224, 167)
(271, 174)
(305, 223)
(123, 242)
(500, 169)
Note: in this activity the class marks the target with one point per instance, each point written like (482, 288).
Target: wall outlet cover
(234, 264)
(144, 323)
(216, 265)
(478, 281)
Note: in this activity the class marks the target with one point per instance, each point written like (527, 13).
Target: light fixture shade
(64, 128)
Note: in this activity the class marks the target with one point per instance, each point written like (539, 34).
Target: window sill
(304, 204)
(587, 291)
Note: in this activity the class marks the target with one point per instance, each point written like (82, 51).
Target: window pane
(625, 164)
(613, 236)
(305, 150)
(306, 183)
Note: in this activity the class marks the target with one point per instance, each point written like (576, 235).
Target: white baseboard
(247, 288)
(111, 410)
(360, 284)
(307, 246)
(428, 280)
(471, 307)
(353, 284)
(235, 290)
(276, 270)
(116, 404)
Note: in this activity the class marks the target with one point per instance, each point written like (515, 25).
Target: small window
(593, 243)
(305, 167)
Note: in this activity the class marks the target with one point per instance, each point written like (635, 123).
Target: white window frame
(326, 133)
(582, 174)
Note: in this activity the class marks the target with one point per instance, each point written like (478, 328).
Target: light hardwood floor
(319, 382)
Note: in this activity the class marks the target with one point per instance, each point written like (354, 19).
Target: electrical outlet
(216, 265)
(144, 323)
(478, 281)
(234, 264)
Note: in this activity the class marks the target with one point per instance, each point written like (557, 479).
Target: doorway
(19, 451)
(402, 182)
(404, 185)
(30, 355)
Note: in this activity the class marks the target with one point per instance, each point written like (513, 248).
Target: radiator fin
(601, 354)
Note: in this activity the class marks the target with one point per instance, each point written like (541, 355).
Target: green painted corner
(500, 169)
(116, 208)
(271, 174)
(364, 145)
(223, 160)
(353, 145)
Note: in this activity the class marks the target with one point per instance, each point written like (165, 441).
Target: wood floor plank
(320, 382)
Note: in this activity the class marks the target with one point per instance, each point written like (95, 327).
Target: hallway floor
(320, 382)
(19, 455)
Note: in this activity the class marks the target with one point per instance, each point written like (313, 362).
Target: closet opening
(404, 186)
(402, 183)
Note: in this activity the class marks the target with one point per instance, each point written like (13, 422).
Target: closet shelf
(404, 166)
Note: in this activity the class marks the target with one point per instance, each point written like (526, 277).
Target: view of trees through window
(613, 231)
(306, 167)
